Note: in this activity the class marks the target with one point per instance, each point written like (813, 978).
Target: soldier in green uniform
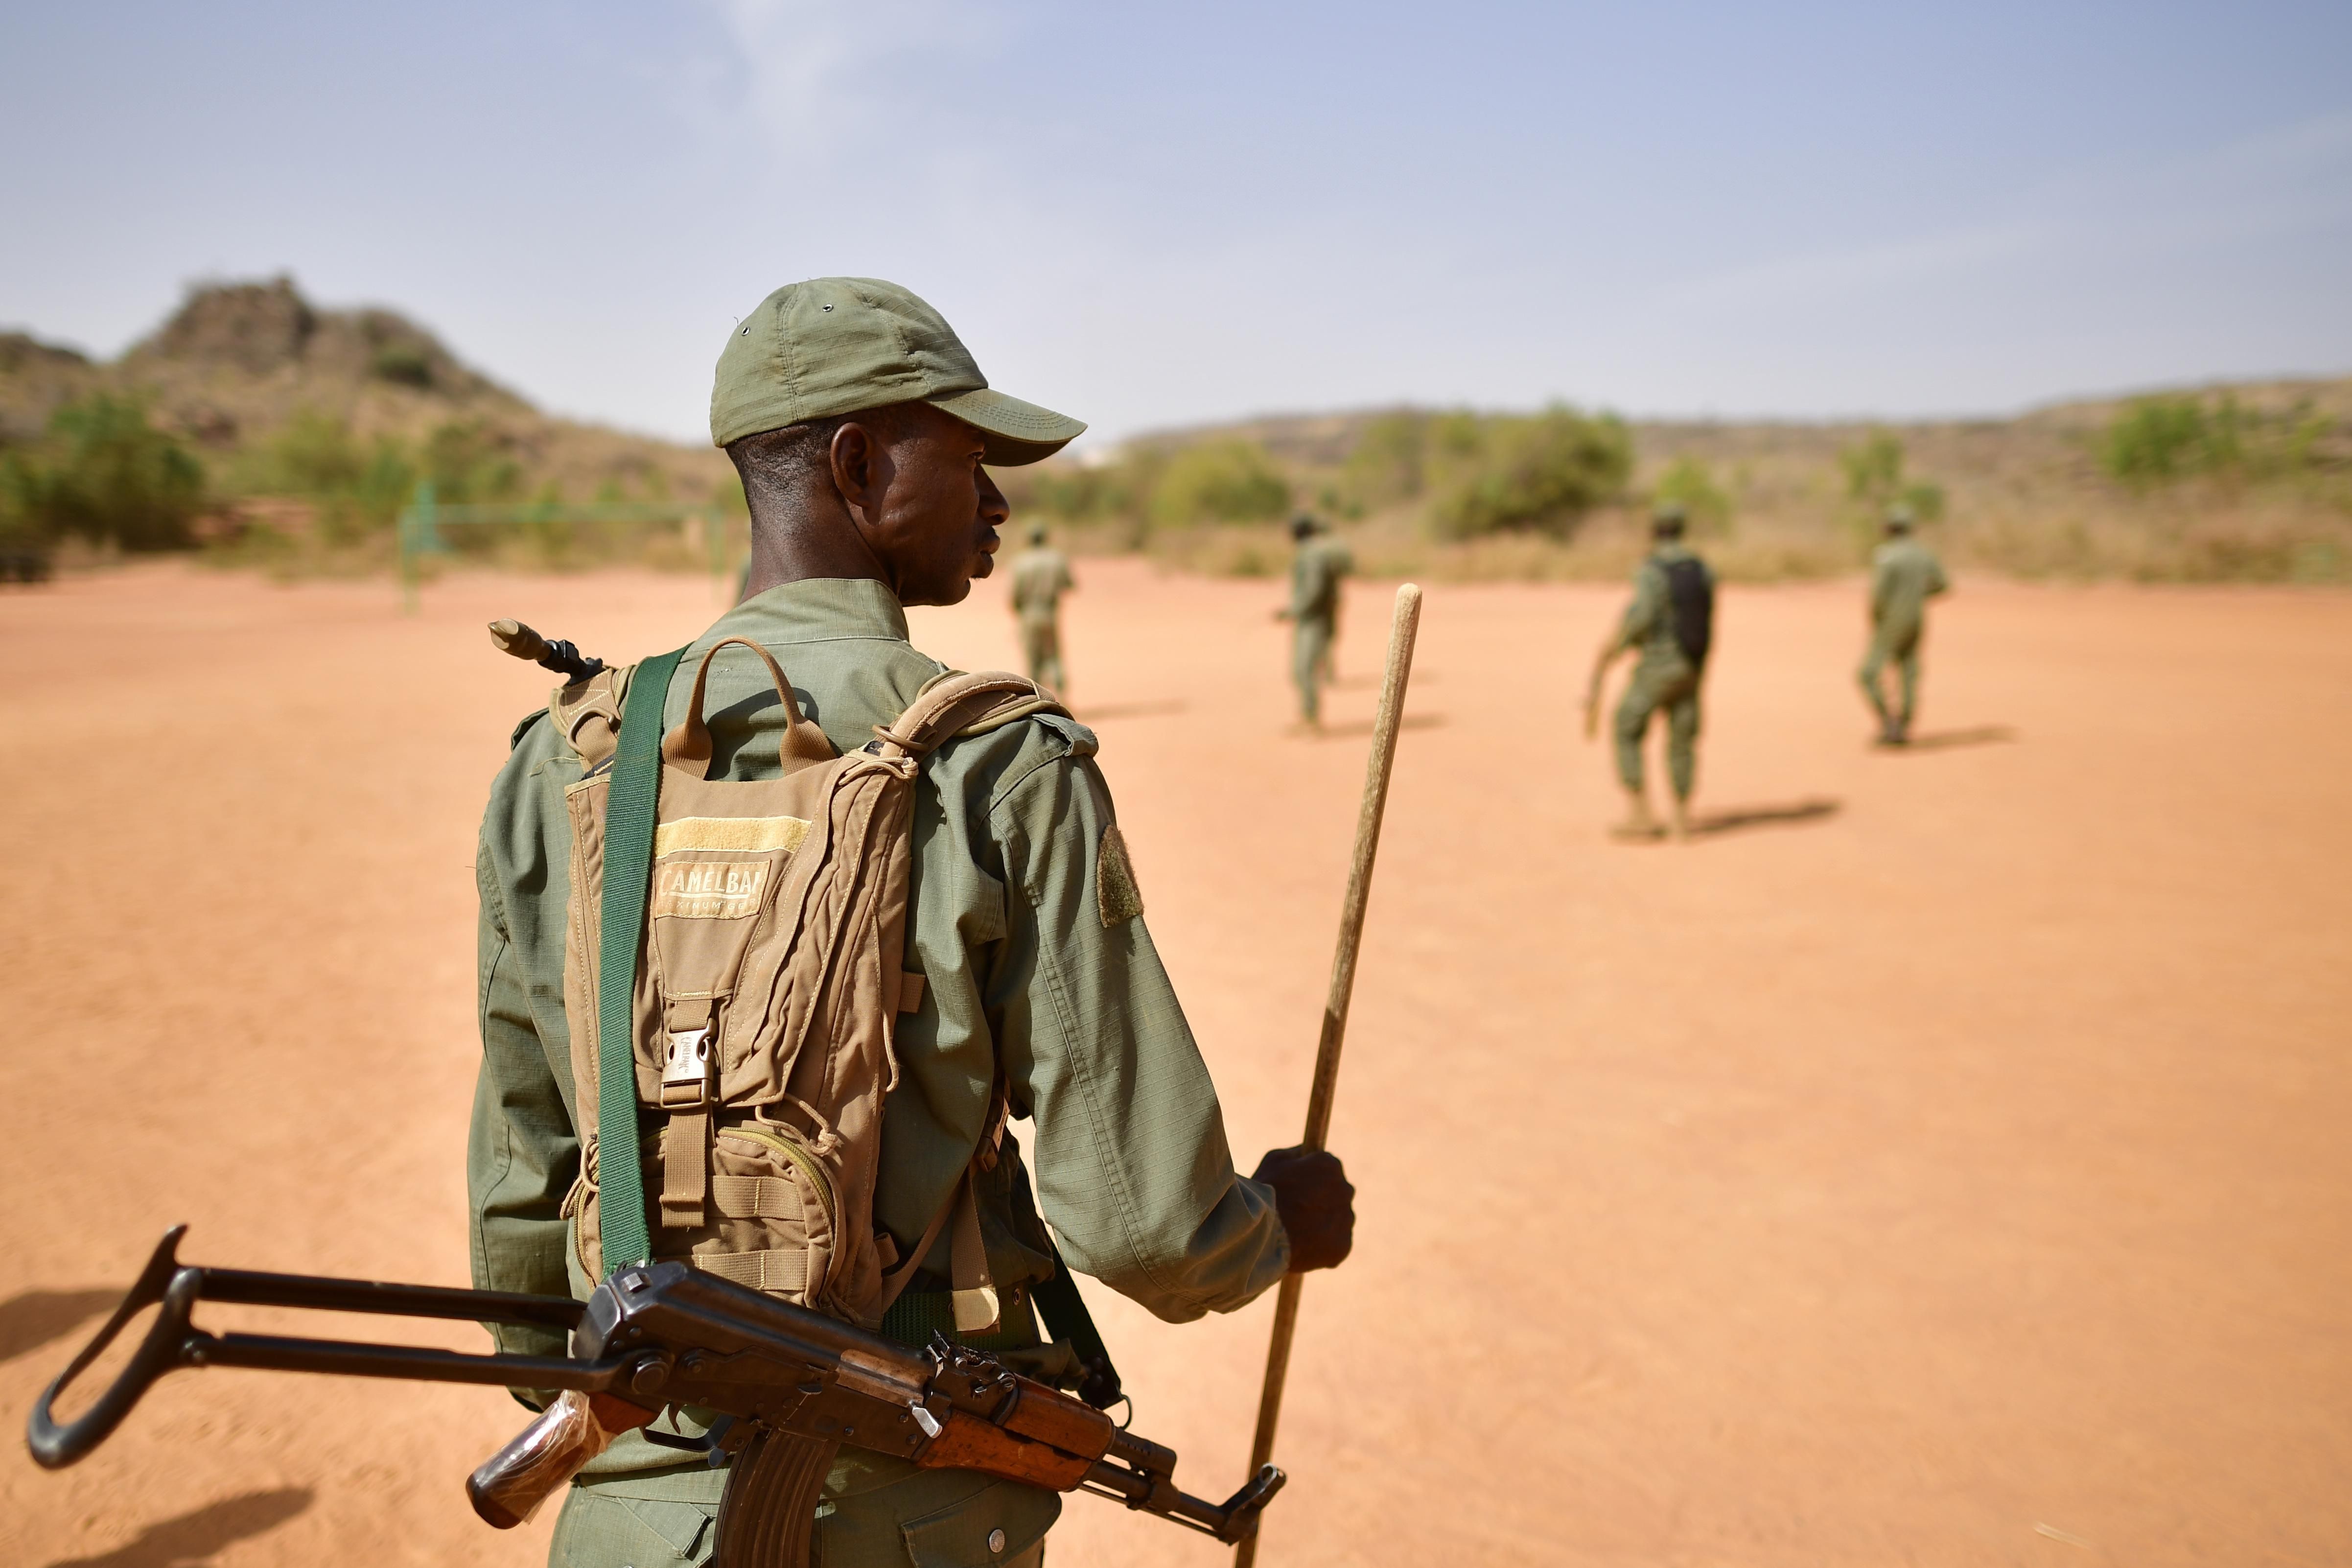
(1903, 575)
(1671, 622)
(1342, 562)
(1320, 566)
(860, 426)
(1041, 576)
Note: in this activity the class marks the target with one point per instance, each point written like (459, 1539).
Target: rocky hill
(237, 363)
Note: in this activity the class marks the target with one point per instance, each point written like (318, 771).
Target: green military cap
(1899, 517)
(1037, 533)
(837, 345)
(1671, 512)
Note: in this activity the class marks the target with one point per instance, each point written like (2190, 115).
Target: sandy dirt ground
(1940, 1161)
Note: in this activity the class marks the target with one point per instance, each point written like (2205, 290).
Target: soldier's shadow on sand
(1371, 681)
(1096, 713)
(1360, 730)
(198, 1535)
(1945, 740)
(34, 1319)
(1739, 819)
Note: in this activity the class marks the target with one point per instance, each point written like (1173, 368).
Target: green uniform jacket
(1040, 578)
(1037, 968)
(1314, 577)
(1903, 575)
(1649, 623)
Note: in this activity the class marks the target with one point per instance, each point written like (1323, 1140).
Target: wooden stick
(1402, 628)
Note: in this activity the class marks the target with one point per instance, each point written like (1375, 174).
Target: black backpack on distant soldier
(1690, 600)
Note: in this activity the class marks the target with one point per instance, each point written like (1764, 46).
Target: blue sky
(1153, 215)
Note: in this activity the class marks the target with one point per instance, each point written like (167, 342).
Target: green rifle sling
(1067, 1319)
(628, 875)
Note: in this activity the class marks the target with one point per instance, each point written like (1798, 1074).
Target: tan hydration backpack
(750, 990)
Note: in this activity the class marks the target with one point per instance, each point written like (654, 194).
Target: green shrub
(1219, 481)
(1873, 471)
(316, 455)
(358, 486)
(403, 364)
(23, 525)
(1875, 477)
(468, 461)
(113, 478)
(1544, 471)
(1690, 484)
(1386, 464)
(2155, 440)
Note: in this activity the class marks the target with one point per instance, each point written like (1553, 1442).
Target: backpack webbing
(628, 874)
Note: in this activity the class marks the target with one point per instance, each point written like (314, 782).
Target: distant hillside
(2244, 481)
(238, 364)
(309, 429)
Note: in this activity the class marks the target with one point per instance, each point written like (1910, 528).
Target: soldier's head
(864, 431)
(1667, 520)
(1037, 533)
(1304, 526)
(1898, 520)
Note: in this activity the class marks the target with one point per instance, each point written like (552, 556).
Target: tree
(113, 479)
(1544, 471)
(1689, 483)
(1220, 481)
(1875, 477)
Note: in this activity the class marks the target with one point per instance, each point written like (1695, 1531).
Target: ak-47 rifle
(788, 1387)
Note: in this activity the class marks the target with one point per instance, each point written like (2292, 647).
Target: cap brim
(1017, 432)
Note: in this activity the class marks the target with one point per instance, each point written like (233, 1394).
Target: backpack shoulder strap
(956, 704)
(626, 1234)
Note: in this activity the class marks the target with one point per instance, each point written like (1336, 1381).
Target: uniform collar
(815, 609)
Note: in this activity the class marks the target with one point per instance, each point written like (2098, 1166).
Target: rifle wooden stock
(508, 1486)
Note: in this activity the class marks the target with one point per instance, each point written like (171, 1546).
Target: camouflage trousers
(924, 1518)
(1903, 652)
(1671, 689)
(1041, 643)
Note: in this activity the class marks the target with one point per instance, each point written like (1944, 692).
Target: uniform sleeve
(1882, 585)
(1936, 581)
(1642, 615)
(1131, 1165)
(522, 1155)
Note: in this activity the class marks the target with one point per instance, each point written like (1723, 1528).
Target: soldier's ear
(855, 459)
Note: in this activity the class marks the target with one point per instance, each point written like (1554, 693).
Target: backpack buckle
(687, 1069)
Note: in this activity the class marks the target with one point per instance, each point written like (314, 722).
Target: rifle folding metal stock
(788, 1386)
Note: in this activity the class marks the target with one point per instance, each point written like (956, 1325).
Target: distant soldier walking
(1903, 575)
(1671, 621)
(1041, 576)
(1321, 565)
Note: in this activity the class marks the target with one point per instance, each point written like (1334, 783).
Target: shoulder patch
(1117, 897)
